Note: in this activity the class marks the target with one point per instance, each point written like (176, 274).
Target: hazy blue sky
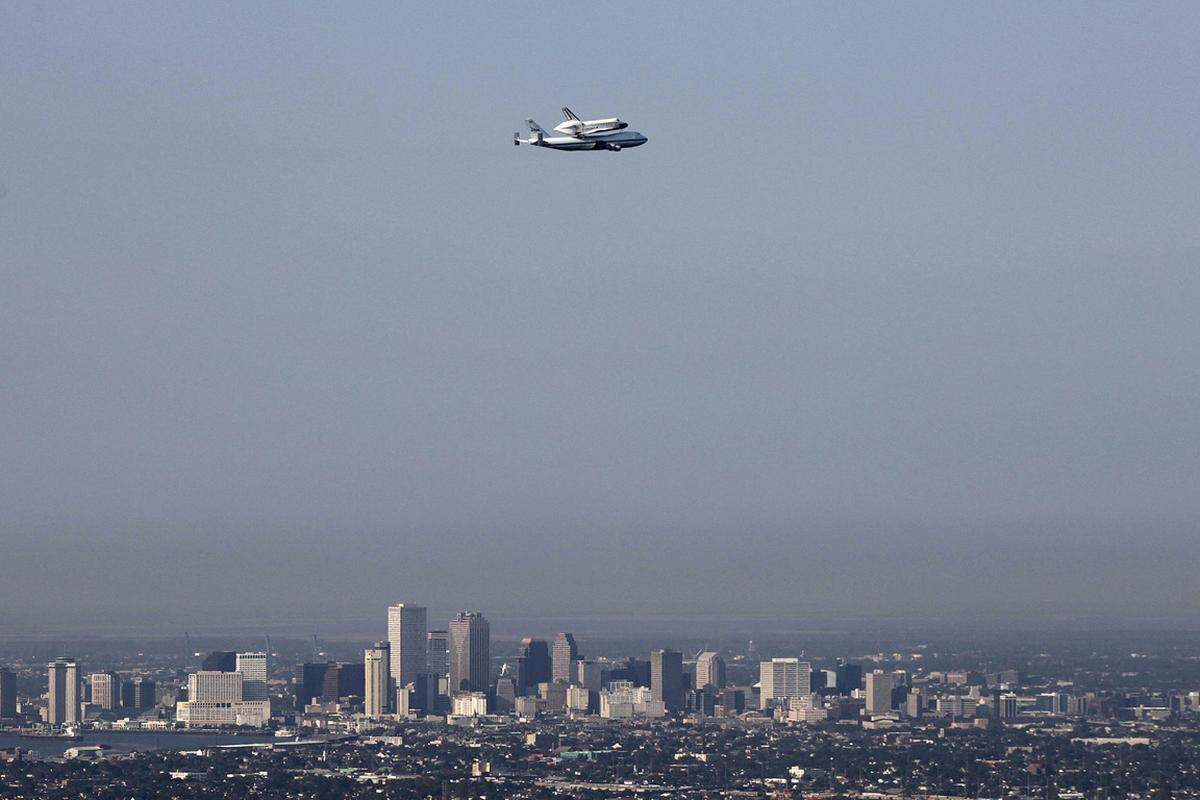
(895, 314)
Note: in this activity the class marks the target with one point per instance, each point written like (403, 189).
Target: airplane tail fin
(569, 115)
(535, 129)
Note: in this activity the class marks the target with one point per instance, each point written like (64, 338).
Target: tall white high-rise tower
(407, 631)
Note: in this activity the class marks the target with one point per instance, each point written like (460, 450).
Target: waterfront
(125, 741)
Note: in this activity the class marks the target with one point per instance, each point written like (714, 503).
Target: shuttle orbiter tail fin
(567, 113)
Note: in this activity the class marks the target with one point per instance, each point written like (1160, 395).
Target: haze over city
(893, 317)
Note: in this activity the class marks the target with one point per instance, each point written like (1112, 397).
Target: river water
(126, 741)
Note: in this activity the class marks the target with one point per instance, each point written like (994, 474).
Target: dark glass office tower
(533, 665)
(849, 678)
(666, 678)
(220, 661)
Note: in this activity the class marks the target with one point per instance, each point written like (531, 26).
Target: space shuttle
(574, 126)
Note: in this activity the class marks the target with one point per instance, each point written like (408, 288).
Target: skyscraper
(733, 701)
(106, 690)
(309, 682)
(565, 655)
(710, 671)
(215, 687)
(344, 679)
(849, 678)
(8, 694)
(533, 665)
(784, 680)
(589, 674)
(879, 692)
(62, 707)
(145, 694)
(470, 653)
(220, 661)
(914, 704)
(634, 670)
(253, 667)
(407, 636)
(506, 694)
(666, 678)
(438, 653)
(377, 679)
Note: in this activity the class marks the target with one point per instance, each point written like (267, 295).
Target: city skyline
(841, 440)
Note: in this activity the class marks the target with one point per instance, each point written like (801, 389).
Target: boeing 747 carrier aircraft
(582, 134)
